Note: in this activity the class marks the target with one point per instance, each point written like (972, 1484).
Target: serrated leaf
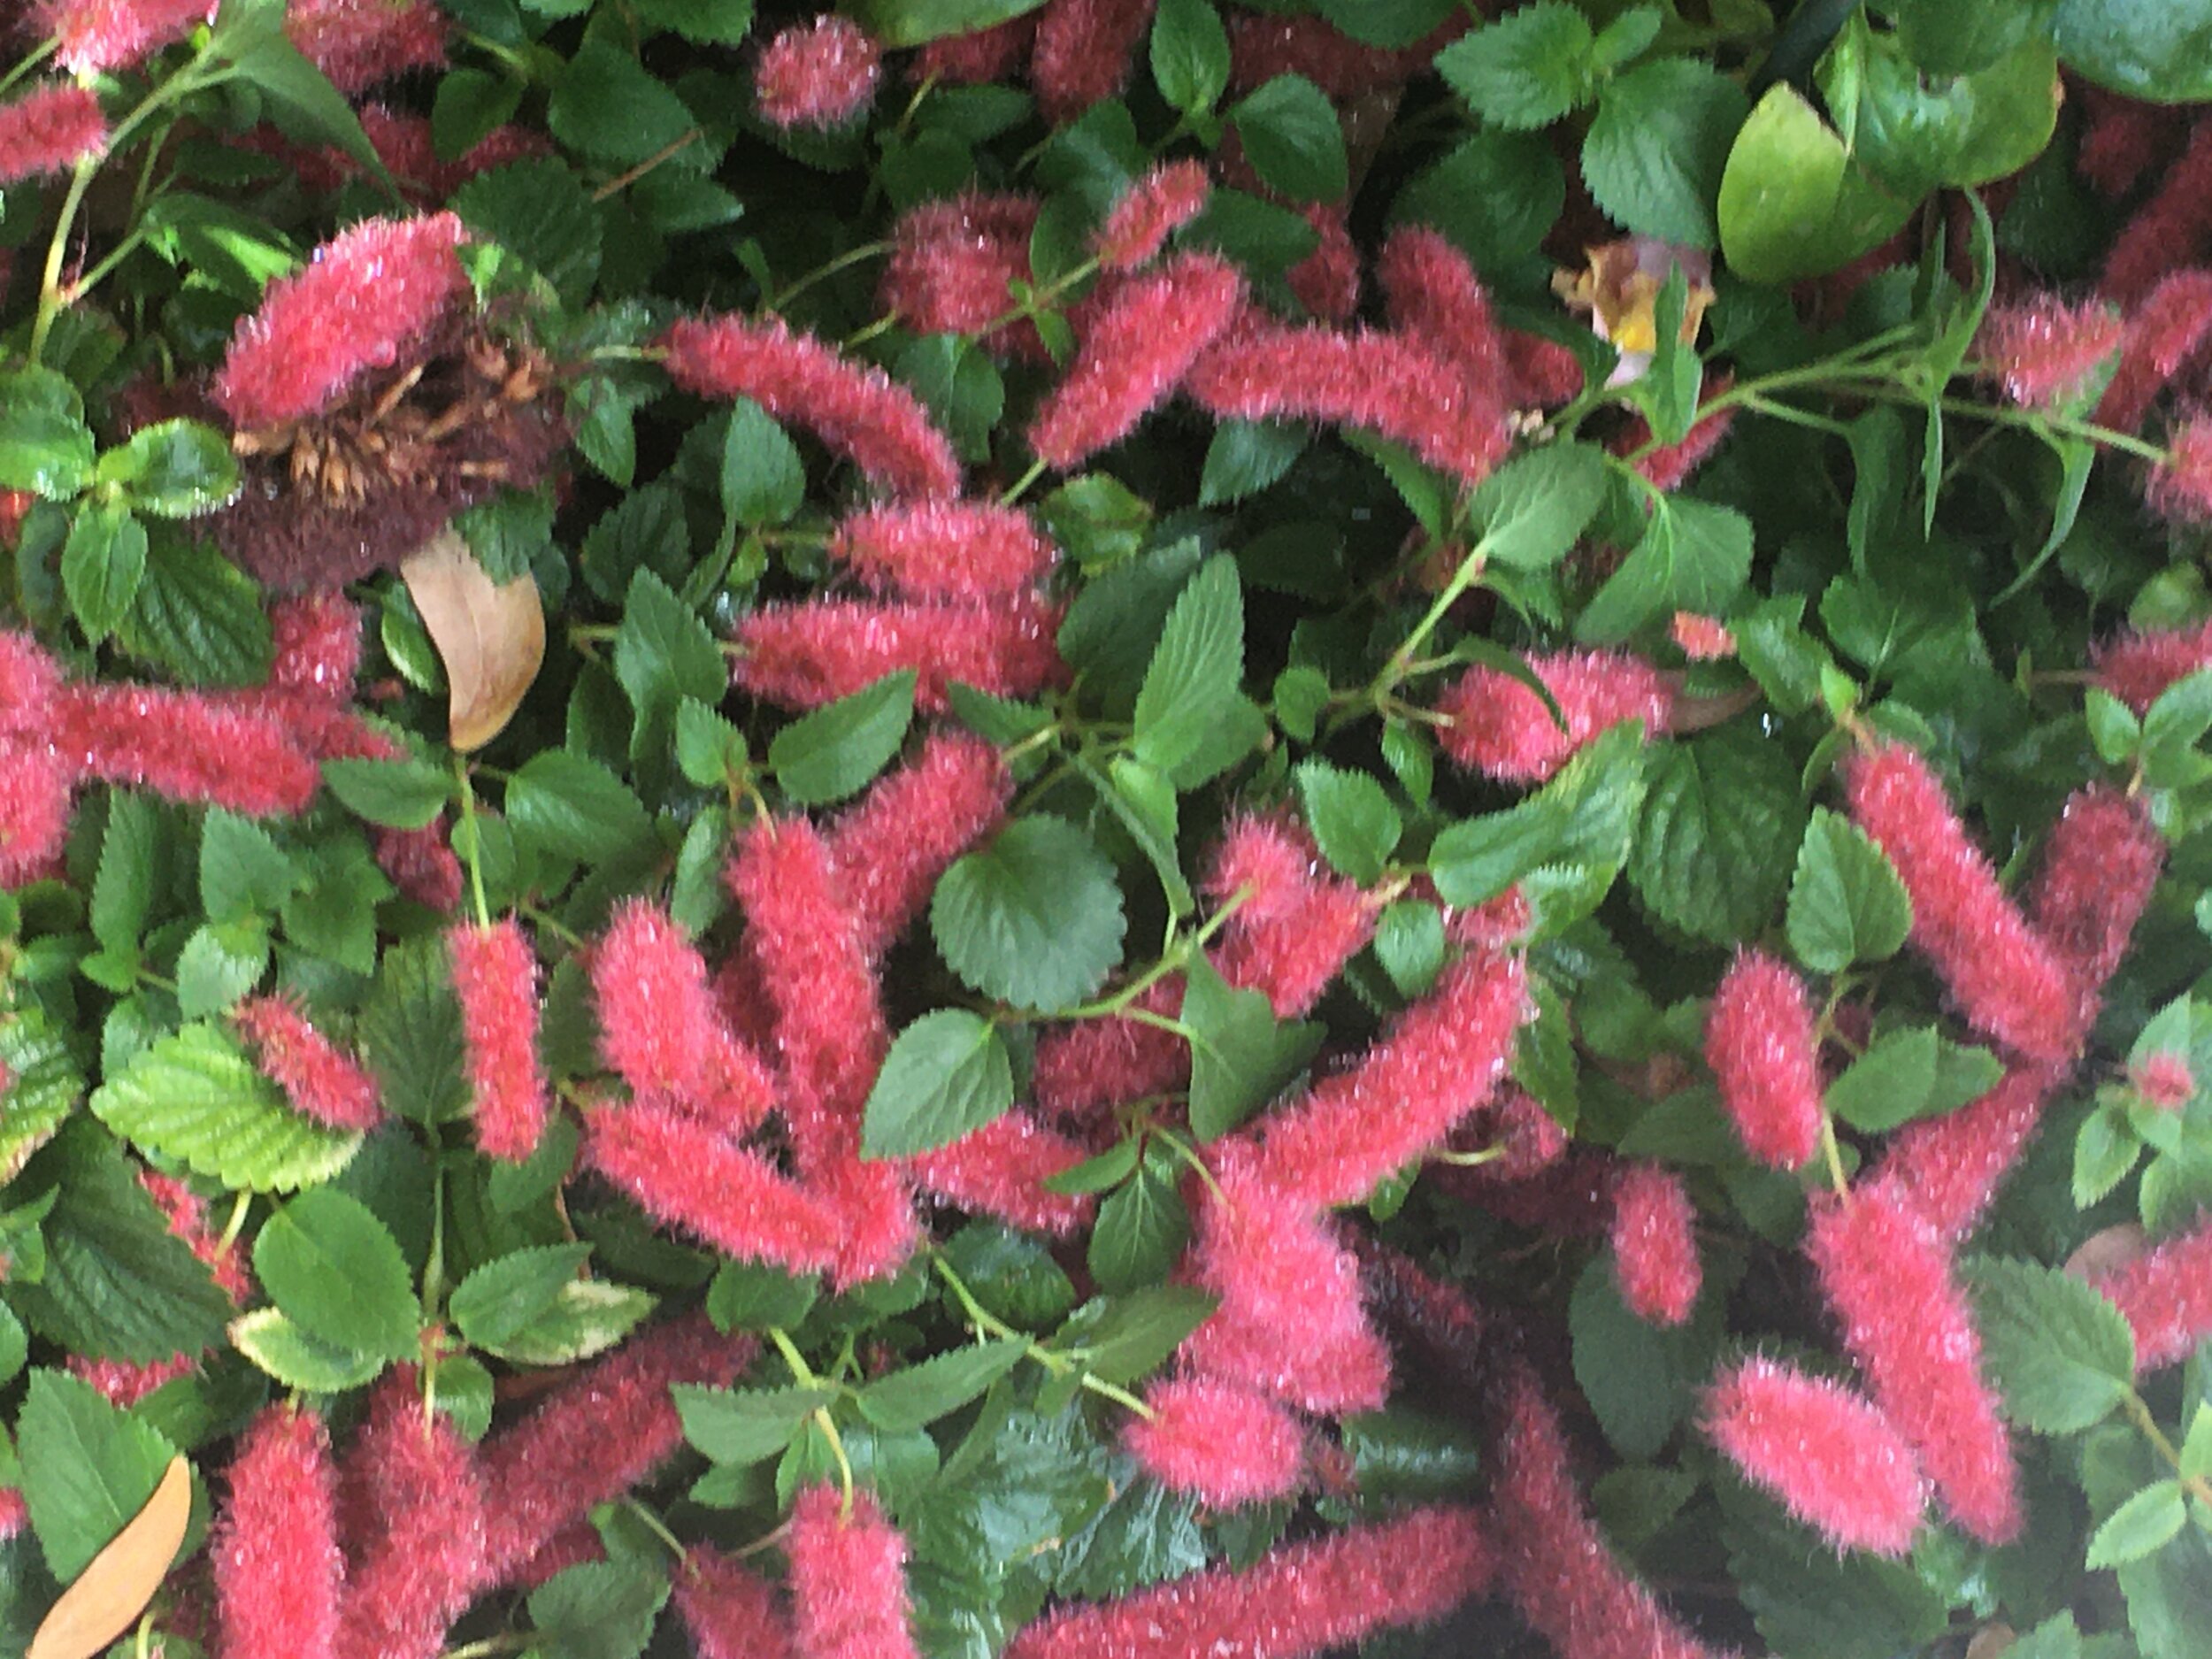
(752, 1296)
(1525, 71)
(1189, 54)
(2138, 1526)
(1293, 139)
(1641, 1378)
(1240, 1057)
(101, 566)
(2060, 1353)
(1847, 903)
(1034, 919)
(193, 1096)
(410, 1032)
(708, 747)
(242, 869)
(569, 804)
(219, 964)
(600, 1609)
(1715, 808)
(172, 469)
(917, 1395)
(1351, 818)
(585, 1316)
(1122, 1338)
(335, 1270)
(763, 481)
(199, 616)
(834, 751)
(1139, 1235)
(402, 793)
(87, 1467)
(947, 1074)
(746, 1426)
(115, 1587)
(1197, 666)
(1531, 510)
(663, 657)
(1655, 152)
(1890, 1083)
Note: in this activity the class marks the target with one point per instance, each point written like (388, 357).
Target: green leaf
(335, 1270)
(1034, 919)
(302, 102)
(752, 1296)
(946, 1075)
(220, 963)
(192, 1096)
(1847, 903)
(1530, 511)
(410, 1034)
(1496, 196)
(917, 1395)
(1408, 1455)
(1010, 1274)
(1812, 1602)
(696, 897)
(123, 889)
(709, 749)
(2113, 726)
(1101, 1171)
(1144, 800)
(1525, 71)
(2062, 1354)
(45, 447)
(333, 914)
(746, 1426)
(1140, 1234)
(1292, 139)
(279, 1346)
(708, 22)
(573, 806)
(200, 616)
(101, 566)
(956, 378)
(1240, 1057)
(87, 1467)
(763, 479)
(1889, 1084)
(1715, 808)
(585, 1316)
(662, 653)
(1197, 666)
(2138, 1526)
(605, 105)
(1791, 201)
(1122, 1338)
(1351, 818)
(1245, 456)
(1655, 154)
(405, 794)
(2105, 1150)
(539, 211)
(172, 469)
(600, 1609)
(1410, 944)
(243, 871)
(470, 105)
(1190, 54)
(902, 23)
(1693, 556)
(834, 752)
(1640, 1379)
(2158, 50)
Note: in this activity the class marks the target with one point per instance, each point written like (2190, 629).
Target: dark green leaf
(1351, 819)
(45, 447)
(1197, 665)
(410, 1032)
(1715, 808)
(1190, 54)
(1140, 1234)
(1240, 1057)
(1847, 903)
(900, 23)
(602, 1609)
(946, 1075)
(917, 1395)
(606, 105)
(101, 566)
(1292, 139)
(500, 1299)
(574, 807)
(1123, 1337)
(662, 653)
(172, 469)
(753, 1296)
(405, 794)
(1655, 154)
(833, 752)
(1525, 71)
(1890, 1083)
(87, 1467)
(1693, 556)
(335, 1270)
(539, 211)
(1034, 919)
(1531, 510)
(1245, 456)
(199, 616)
(2158, 50)
(746, 1426)
(763, 481)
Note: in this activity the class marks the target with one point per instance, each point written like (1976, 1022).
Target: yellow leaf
(490, 636)
(113, 1589)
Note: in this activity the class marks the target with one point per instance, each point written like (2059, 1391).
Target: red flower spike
(1759, 1041)
(1888, 1276)
(2121, 138)
(803, 655)
(1292, 937)
(1000, 1170)
(1153, 209)
(1140, 341)
(421, 864)
(891, 847)
(50, 129)
(2181, 485)
(317, 1079)
(2006, 979)
(730, 1611)
(96, 35)
(856, 409)
(941, 549)
(688, 1174)
(1440, 1061)
(2171, 226)
(1435, 296)
(1669, 467)
(1382, 383)
(979, 56)
(2165, 332)
(1514, 1125)
(597, 1435)
(2165, 1295)
(1298, 1601)
(15, 1514)
(275, 1548)
(659, 1027)
(125, 1382)
(411, 1501)
(1832, 1459)
(1557, 1568)
(1326, 280)
(1545, 373)
(1655, 1244)
(847, 1579)
(1224, 1445)
(2099, 864)
(1082, 53)
(187, 1216)
(2041, 348)
(1952, 1166)
(30, 680)
(495, 981)
(359, 43)
(2138, 667)
(953, 265)
(573, 1545)
(1269, 865)
(1501, 729)
(1083, 1068)
(318, 642)
(1264, 46)
(184, 746)
(818, 74)
(373, 291)
(34, 803)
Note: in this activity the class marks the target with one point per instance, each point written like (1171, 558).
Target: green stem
(1833, 1154)
(654, 1524)
(476, 848)
(38, 55)
(1020, 486)
(2139, 1414)
(844, 261)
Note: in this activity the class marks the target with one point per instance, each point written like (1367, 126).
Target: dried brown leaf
(490, 636)
(114, 1588)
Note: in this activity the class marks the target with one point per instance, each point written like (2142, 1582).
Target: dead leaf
(114, 1588)
(1991, 1640)
(490, 636)
(2108, 1251)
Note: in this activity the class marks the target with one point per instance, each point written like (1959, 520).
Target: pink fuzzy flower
(1082, 52)
(1153, 209)
(96, 35)
(818, 74)
(2181, 485)
(421, 864)
(803, 655)
(1669, 467)
(1440, 1061)
(1137, 346)
(979, 56)
(2138, 668)
(1655, 1244)
(2005, 978)
(2122, 138)
(185, 1215)
(1524, 1138)
(847, 1579)
(1436, 297)
(891, 847)
(688, 1174)
(412, 1501)
(659, 1027)
(275, 1548)
(495, 981)
(1226, 1445)
(1557, 1568)
(941, 549)
(373, 291)
(952, 267)
(317, 1079)
(1298, 1601)
(2100, 866)
(1000, 1170)
(2041, 350)
(1759, 1041)
(2170, 227)
(1297, 925)
(1383, 383)
(1824, 1451)
(50, 129)
(1082, 1068)
(1502, 728)
(185, 746)
(858, 410)
(1545, 373)
(1952, 1166)
(1701, 639)
(318, 645)
(2165, 1295)
(34, 802)
(359, 43)
(125, 1382)
(1326, 280)
(600, 1433)
(1888, 1276)
(15, 1514)
(2165, 332)
(730, 1611)
(30, 680)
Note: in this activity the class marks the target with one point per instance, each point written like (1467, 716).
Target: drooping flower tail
(50, 129)
(1501, 729)
(943, 550)
(414, 1502)
(105, 34)
(1159, 204)
(1224, 1445)
(495, 982)
(803, 655)
(1000, 1170)
(890, 849)
(318, 1078)
(659, 1027)
(1759, 1040)
(1082, 52)
(2165, 1295)
(847, 1579)
(274, 1546)
(1832, 1459)
(818, 74)
(1655, 1244)
(730, 1611)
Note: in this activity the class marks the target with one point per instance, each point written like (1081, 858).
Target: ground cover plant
(1105, 829)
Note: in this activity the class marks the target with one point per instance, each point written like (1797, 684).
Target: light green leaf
(1530, 511)
(101, 566)
(1655, 154)
(1889, 1084)
(573, 806)
(87, 1467)
(333, 1270)
(946, 1075)
(405, 794)
(1351, 819)
(2138, 1526)
(1525, 71)
(1197, 666)
(2062, 1354)
(172, 469)
(917, 1395)
(746, 1426)
(763, 481)
(1847, 903)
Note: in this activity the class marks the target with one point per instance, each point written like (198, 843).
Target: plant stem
(2139, 1414)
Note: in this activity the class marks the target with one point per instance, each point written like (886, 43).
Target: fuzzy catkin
(1830, 1456)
